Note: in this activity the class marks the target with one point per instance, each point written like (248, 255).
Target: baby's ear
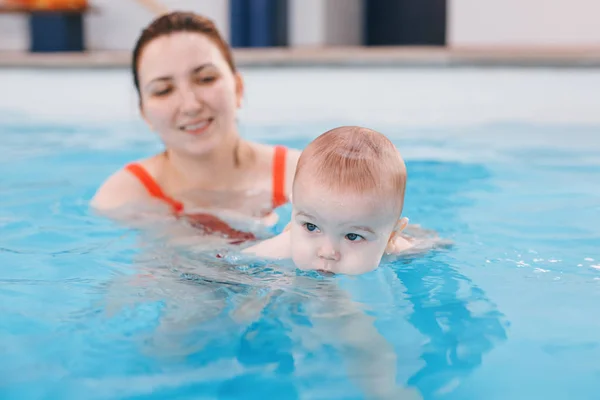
(401, 224)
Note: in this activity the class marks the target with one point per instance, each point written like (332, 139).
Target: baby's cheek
(300, 252)
(370, 258)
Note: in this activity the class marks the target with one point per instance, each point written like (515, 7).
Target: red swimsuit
(207, 222)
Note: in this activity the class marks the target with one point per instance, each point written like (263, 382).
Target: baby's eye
(353, 237)
(310, 227)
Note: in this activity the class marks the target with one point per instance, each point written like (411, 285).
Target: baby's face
(342, 233)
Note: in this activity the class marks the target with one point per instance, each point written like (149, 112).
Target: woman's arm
(117, 191)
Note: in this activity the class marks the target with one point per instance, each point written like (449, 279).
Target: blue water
(510, 311)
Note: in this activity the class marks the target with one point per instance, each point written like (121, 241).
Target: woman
(189, 91)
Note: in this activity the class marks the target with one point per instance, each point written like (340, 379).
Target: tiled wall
(13, 32)
(116, 23)
(315, 23)
(479, 23)
(524, 23)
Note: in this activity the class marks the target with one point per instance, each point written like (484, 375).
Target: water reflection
(455, 316)
(418, 322)
(460, 323)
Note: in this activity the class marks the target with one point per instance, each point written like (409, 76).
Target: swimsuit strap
(154, 189)
(152, 186)
(279, 195)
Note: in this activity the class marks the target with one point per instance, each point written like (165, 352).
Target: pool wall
(410, 97)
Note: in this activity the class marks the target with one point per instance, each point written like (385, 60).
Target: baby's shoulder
(277, 247)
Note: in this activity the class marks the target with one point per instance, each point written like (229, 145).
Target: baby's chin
(336, 270)
(320, 271)
(341, 271)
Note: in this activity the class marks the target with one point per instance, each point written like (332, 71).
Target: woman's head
(188, 86)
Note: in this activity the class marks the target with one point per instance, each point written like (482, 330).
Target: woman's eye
(310, 227)
(207, 79)
(354, 237)
(162, 92)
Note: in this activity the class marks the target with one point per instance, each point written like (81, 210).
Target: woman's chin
(198, 147)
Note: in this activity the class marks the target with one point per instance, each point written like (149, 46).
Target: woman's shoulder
(124, 186)
(267, 153)
(291, 162)
(292, 156)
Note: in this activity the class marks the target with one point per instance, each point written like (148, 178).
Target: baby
(347, 201)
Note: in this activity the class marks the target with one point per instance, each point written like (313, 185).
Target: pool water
(510, 311)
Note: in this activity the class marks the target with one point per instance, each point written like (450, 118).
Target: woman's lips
(196, 128)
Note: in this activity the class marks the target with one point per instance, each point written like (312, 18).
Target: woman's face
(189, 95)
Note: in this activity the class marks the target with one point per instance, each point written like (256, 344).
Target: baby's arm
(369, 357)
(278, 247)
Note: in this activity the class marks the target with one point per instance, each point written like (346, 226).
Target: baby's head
(347, 201)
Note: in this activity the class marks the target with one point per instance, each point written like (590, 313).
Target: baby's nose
(329, 253)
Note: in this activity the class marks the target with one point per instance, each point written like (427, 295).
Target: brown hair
(178, 22)
(357, 159)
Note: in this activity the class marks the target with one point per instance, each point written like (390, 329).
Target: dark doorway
(405, 22)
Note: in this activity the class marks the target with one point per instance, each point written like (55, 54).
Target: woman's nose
(190, 103)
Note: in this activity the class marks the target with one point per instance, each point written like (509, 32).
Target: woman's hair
(178, 22)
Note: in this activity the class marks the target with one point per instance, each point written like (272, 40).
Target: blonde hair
(356, 159)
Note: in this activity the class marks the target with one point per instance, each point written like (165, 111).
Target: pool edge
(358, 56)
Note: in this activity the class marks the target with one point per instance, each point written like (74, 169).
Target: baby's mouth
(322, 272)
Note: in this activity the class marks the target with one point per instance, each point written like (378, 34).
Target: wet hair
(175, 22)
(355, 159)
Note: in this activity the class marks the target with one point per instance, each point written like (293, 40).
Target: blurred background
(113, 25)
(519, 60)
(493, 103)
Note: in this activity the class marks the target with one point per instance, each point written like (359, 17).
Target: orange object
(279, 196)
(153, 187)
(50, 4)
